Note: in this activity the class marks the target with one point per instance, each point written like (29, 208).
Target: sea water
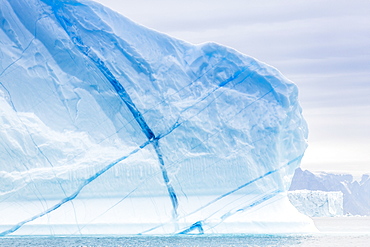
(335, 231)
(193, 241)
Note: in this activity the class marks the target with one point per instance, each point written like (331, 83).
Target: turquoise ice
(108, 127)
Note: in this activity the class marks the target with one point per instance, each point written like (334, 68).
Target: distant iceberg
(108, 127)
(356, 194)
(316, 203)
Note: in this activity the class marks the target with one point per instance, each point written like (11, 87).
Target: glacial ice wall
(110, 127)
(317, 203)
(356, 200)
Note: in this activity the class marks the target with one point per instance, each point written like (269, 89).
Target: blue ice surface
(108, 109)
(122, 93)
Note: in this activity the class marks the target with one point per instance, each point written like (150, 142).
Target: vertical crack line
(170, 189)
(72, 32)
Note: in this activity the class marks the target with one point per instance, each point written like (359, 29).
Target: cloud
(193, 15)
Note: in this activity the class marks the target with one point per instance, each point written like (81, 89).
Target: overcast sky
(321, 45)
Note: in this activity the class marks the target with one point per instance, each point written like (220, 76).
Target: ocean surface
(337, 231)
(193, 241)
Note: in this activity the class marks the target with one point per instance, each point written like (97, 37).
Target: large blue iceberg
(107, 127)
